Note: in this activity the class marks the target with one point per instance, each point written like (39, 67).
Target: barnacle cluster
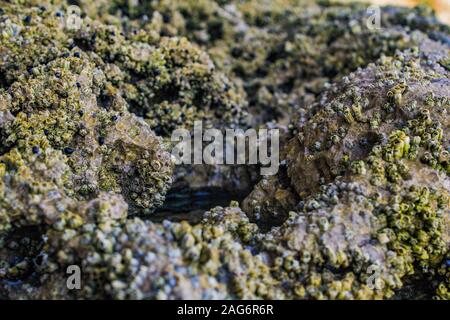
(89, 96)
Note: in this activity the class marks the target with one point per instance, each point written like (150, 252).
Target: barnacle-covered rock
(31, 188)
(284, 52)
(358, 210)
(129, 258)
(171, 83)
(136, 259)
(233, 220)
(387, 215)
(271, 200)
(362, 235)
(107, 150)
(350, 118)
(364, 108)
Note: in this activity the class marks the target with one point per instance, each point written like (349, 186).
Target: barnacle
(86, 116)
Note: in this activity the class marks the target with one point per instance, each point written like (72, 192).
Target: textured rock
(85, 119)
